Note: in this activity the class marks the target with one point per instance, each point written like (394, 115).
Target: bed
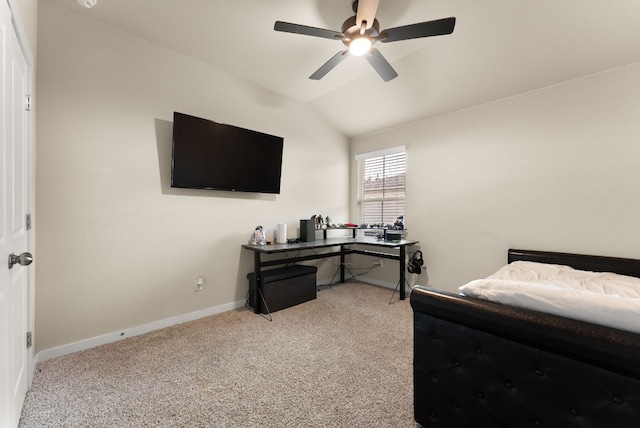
(480, 363)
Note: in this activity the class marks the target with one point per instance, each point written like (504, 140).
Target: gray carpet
(342, 360)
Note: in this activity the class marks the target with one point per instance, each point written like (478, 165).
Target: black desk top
(330, 242)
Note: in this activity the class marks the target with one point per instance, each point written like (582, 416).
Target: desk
(345, 244)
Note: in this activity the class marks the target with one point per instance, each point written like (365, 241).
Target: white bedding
(599, 297)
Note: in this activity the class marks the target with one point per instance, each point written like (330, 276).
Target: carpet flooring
(341, 360)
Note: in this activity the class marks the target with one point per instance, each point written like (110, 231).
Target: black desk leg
(258, 290)
(342, 263)
(402, 272)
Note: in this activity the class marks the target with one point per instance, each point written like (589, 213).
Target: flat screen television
(211, 155)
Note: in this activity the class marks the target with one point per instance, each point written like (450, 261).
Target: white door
(14, 281)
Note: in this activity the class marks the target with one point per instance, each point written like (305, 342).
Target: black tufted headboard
(484, 364)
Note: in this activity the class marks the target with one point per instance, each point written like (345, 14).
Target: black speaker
(415, 263)
(308, 230)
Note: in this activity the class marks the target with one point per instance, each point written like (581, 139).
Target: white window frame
(395, 198)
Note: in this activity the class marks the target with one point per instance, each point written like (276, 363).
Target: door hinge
(28, 106)
(28, 222)
(29, 341)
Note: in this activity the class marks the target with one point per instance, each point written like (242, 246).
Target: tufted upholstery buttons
(499, 381)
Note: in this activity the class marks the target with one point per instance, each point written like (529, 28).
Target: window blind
(381, 186)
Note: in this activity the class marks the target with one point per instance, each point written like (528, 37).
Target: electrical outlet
(199, 284)
(379, 263)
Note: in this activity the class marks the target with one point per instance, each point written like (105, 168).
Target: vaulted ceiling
(499, 48)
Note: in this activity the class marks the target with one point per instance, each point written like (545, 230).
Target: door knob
(23, 259)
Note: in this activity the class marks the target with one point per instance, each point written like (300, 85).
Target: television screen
(210, 155)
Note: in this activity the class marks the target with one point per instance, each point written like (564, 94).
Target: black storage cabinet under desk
(283, 287)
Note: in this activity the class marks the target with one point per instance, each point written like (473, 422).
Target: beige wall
(117, 246)
(556, 169)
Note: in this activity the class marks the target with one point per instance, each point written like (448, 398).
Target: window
(381, 186)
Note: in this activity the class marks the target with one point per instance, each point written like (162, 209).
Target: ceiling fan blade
(380, 64)
(438, 27)
(329, 65)
(366, 12)
(288, 27)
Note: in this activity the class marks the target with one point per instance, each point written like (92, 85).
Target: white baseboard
(383, 284)
(372, 281)
(81, 345)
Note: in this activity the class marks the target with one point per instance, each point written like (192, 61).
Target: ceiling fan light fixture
(361, 31)
(87, 3)
(359, 46)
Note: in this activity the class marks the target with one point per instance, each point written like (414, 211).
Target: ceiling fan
(361, 31)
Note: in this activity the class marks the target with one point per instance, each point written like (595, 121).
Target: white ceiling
(499, 48)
